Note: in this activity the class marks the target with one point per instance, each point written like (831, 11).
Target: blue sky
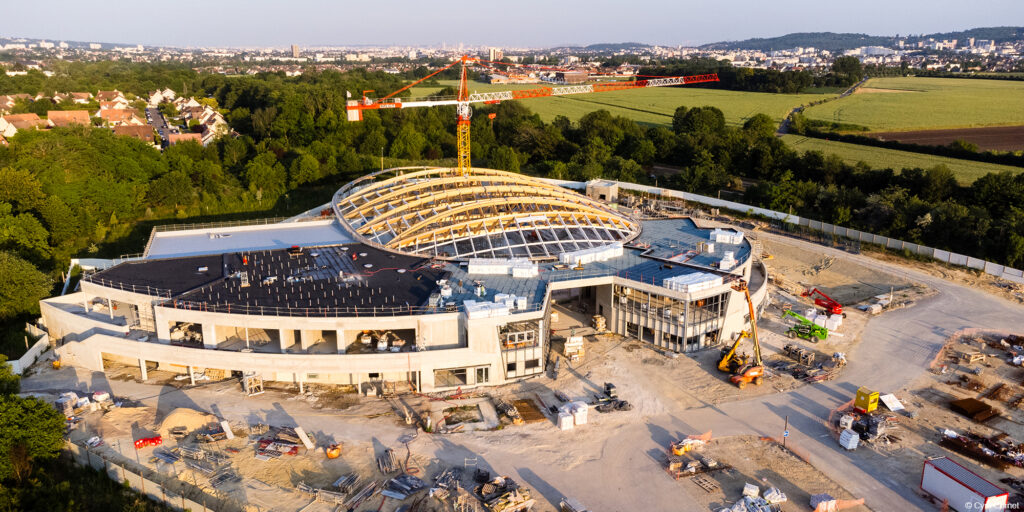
(485, 22)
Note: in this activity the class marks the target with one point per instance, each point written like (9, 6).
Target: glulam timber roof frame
(487, 213)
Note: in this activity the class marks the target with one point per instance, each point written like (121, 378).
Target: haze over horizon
(529, 23)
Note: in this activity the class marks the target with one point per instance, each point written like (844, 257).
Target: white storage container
(849, 439)
(521, 303)
(579, 413)
(960, 487)
(565, 421)
(820, 320)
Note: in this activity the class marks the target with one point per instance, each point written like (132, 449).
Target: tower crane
(463, 100)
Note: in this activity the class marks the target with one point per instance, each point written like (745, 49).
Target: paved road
(156, 119)
(896, 347)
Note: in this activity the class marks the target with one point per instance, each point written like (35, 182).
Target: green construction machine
(804, 328)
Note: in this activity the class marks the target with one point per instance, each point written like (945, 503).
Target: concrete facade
(101, 322)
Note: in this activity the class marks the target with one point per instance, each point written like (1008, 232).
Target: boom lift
(730, 359)
(831, 305)
(749, 371)
(464, 99)
(804, 328)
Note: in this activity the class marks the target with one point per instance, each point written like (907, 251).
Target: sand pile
(123, 421)
(191, 419)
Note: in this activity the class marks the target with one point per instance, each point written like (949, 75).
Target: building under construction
(422, 276)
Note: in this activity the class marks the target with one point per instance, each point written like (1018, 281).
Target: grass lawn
(881, 158)
(653, 106)
(918, 103)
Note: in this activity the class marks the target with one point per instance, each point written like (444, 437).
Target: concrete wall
(20, 364)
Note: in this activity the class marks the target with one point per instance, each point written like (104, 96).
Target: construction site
(473, 339)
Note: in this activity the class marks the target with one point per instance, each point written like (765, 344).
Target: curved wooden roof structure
(488, 213)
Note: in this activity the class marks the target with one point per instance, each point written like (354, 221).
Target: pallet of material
(166, 456)
(346, 483)
(227, 477)
(528, 411)
(974, 409)
(200, 466)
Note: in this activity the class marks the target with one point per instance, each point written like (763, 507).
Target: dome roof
(487, 214)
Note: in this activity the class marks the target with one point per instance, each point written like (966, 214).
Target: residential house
(142, 132)
(112, 105)
(110, 96)
(7, 102)
(68, 117)
(174, 138)
(11, 123)
(158, 97)
(183, 103)
(120, 117)
(81, 97)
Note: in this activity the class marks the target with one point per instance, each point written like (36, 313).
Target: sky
(518, 23)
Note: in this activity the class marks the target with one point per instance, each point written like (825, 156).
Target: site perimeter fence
(951, 258)
(170, 491)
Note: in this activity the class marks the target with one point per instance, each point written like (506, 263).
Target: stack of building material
(66, 403)
(591, 255)
(726, 236)
(579, 412)
(388, 462)
(346, 483)
(479, 309)
(574, 347)
(849, 439)
(489, 266)
(728, 261)
(525, 268)
(694, 282)
(774, 496)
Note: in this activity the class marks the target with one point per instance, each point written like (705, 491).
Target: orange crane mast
(464, 99)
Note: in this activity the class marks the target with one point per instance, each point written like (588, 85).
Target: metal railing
(134, 288)
(223, 224)
(350, 311)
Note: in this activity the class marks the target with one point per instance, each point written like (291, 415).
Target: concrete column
(307, 339)
(299, 380)
(85, 305)
(287, 339)
(143, 369)
(110, 308)
(246, 337)
(359, 383)
(341, 341)
(209, 335)
(192, 375)
(163, 331)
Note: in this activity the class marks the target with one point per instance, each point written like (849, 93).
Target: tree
(31, 430)
(172, 189)
(678, 118)
(504, 158)
(22, 286)
(10, 384)
(849, 67)
(408, 144)
(304, 169)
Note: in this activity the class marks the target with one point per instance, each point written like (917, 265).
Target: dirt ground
(764, 464)
(988, 283)
(991, 138)
(845, 281)
(916, 436)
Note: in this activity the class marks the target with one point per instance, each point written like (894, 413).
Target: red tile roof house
(10, 124)
(143, 132)
(175, 138)
(68, 117)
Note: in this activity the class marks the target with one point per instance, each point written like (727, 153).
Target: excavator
(744, 371)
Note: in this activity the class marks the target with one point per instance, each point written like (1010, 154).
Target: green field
(880, 158)
(913, 103)
(653, 106)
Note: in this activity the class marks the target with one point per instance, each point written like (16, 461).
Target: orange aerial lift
(464, 98)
